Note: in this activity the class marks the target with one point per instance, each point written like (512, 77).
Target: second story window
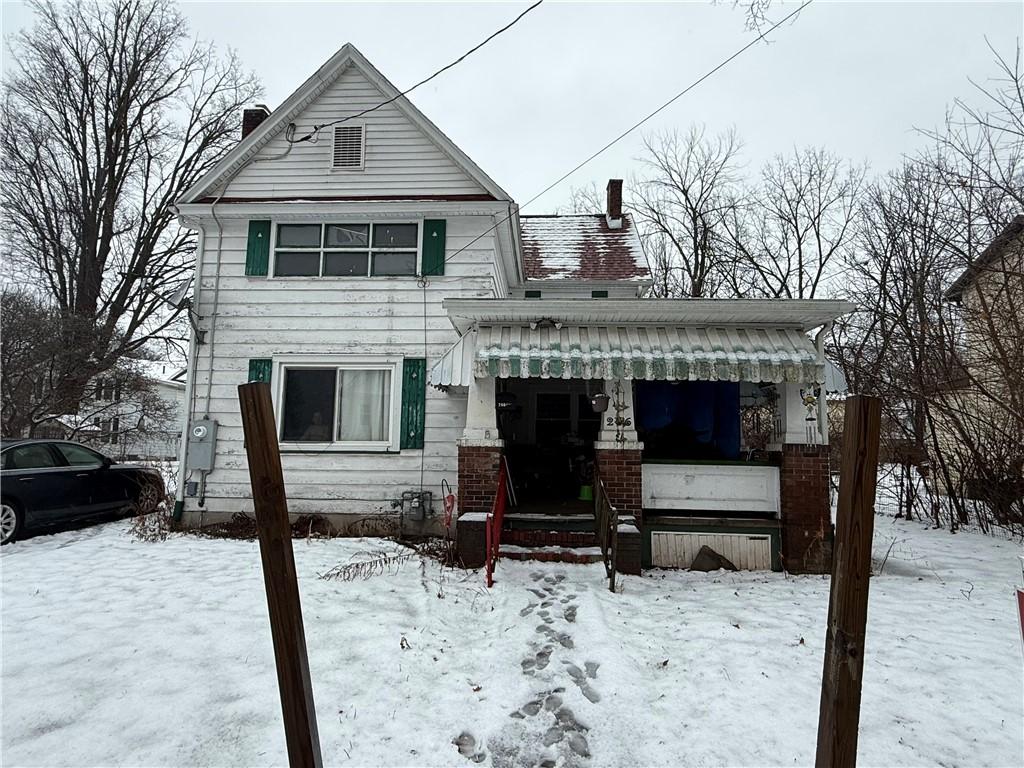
(346, 250)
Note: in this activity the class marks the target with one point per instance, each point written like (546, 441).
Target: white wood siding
(399, 159)
(259, 317)
(711, 487)
(575, 289)
(677, 549)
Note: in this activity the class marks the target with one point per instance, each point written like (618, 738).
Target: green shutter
(433, 246)
(259, 369)
(414, 395)
(257, 251)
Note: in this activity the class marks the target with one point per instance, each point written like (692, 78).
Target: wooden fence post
(279, 575)
(839, 715)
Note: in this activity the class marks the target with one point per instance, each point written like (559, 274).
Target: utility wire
(317, 128)
(636, 125)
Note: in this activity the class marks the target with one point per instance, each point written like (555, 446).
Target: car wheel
(10, 522)
(147, 500)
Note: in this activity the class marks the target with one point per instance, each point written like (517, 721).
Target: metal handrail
(606, 527)
(495, 521)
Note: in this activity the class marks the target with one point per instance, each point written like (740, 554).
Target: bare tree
(109, 112)
(586, 199)
(117, 407)
(790, 232)
(683, 204)
(988, 138)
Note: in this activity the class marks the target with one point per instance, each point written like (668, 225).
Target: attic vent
(348, 147)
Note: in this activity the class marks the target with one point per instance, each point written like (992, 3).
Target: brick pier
(806, 517)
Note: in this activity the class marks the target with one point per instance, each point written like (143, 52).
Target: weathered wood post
(282, 585)
(839, 716)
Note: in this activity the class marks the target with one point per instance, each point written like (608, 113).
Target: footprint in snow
(528, 609)
(466, 744)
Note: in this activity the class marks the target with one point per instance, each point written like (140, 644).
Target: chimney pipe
(251, 118)
(613, 211)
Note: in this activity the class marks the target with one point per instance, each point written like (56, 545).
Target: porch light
(599, 402)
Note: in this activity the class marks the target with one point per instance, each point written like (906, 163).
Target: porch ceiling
(631, 352)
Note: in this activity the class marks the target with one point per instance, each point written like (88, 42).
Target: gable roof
(582, 247)
(995, 249)
(302, 97)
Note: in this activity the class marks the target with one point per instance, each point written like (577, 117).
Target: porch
(700, 434)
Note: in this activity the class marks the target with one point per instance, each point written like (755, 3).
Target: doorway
(549, 427)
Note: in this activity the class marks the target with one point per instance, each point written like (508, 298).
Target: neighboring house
(981, 427)
(417, 334)
(130, 416)
(136, 424)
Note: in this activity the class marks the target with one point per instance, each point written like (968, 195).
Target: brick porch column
(617, 459)
(479, 466)
(804, 488)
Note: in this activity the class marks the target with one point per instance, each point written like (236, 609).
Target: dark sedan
(50, 482)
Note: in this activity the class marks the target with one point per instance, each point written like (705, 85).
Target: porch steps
(550, 545)
(551, 554)
(548, 522)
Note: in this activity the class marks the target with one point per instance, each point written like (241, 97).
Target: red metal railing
(495, 520)
(606, 526)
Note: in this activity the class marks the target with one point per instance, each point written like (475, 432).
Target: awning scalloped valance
(641, 353)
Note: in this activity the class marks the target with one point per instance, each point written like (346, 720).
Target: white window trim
(392, 363)
(362, 148)
(271, 274)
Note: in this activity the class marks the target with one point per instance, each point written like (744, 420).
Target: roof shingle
(582, 247)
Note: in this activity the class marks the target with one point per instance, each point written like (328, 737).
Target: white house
(419, 334)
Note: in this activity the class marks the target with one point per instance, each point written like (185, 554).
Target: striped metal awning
(679, 353)
(455, 368)
(646, 352)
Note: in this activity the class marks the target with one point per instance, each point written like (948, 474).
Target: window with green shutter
(414, 395)
(257, 249)
(433, 246)
(259, 369)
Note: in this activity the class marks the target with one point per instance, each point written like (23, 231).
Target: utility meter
(202, 439)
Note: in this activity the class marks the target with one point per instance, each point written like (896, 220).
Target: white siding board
(264, 317)
(399, 157)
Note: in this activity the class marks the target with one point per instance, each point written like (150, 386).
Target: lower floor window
(337, 404)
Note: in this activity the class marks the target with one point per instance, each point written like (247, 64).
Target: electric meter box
(202, 439)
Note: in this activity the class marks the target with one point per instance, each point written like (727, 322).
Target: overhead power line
(317, 128)
(640, 122)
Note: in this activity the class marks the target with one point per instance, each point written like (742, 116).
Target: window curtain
(364, 413)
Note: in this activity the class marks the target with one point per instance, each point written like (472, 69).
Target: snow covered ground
(118, 652)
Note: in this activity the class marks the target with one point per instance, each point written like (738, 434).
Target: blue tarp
(691, 419)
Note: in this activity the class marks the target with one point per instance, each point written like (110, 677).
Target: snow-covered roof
(582, 247)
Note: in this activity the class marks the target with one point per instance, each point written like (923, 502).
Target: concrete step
(551, 554)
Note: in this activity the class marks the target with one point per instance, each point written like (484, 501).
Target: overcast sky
(856, 77)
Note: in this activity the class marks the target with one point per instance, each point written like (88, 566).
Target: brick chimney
(251, 118)
(613, 211)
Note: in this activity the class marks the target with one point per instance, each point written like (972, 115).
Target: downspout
(819, 346)
(190, 383)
